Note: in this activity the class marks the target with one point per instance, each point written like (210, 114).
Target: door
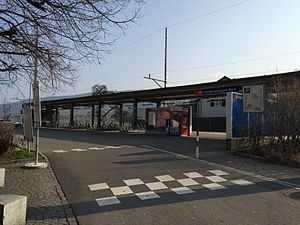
(184, 128)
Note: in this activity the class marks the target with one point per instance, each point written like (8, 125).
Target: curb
(69, 213)
(267, 160)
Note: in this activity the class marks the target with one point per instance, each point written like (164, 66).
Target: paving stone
(46, 203)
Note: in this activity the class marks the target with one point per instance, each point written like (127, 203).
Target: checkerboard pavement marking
(211, 182)
(90, 149)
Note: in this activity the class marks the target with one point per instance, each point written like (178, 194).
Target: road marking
(213, 186)
(242, 182)
(59, 151)
(108, 201)
(153, 186)
(147, 195)
(265, 178)
(124, 190)
(182, 190)
(164, 178)
(193, 175)
(78, 150)
(97, 187)
(218, 172)
(187, 182)
(133, 182)
(92, 148)
(216, 179)
(96, 148)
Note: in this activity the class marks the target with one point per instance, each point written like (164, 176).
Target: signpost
(27, 116)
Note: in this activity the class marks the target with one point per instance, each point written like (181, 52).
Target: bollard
(2, 177)
(197, 144)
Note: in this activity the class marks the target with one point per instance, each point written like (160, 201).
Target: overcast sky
(205, 42)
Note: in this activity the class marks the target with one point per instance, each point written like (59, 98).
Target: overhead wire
(172, 25)
(179, 23)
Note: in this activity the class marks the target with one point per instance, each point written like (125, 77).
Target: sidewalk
(46, 203)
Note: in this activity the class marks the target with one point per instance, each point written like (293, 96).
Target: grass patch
(16, 155)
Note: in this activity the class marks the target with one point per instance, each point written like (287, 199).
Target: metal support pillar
(56, 117)
(93, 116)
(51, 116)
(99, 115)
(121, 117)
(72, 116)
(134, 114)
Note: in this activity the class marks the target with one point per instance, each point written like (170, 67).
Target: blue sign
(239, 118)
(221, 90)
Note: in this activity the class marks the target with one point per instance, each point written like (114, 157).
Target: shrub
(6, 138)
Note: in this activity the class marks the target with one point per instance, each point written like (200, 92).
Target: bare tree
(99, 89)
(283, 115)
(60, 34)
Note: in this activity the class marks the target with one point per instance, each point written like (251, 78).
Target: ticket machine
(171, 121)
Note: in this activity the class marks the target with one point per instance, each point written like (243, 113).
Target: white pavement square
(164, 178)
(124, 190)
(242, 182)
(215, 179)
(147, 195)
(156, 186)
(97, 187)
(133, 182)
(187, 182)
(193, 175)
(219, 172)
(107, 201)
(182, 190)
(213, 186)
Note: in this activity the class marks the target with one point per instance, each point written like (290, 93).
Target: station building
(198, 106)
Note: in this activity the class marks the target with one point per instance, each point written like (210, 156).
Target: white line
(283, 183)
(167, 152)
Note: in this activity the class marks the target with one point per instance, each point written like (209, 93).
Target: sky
(207, 39)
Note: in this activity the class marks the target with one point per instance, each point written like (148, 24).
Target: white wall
(205, 109)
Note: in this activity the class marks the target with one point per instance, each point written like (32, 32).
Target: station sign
(253, 98)
(213, 91)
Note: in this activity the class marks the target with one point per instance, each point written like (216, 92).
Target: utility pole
(165, 65)
(166, 56)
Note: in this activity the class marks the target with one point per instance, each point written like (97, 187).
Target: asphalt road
(137, 179)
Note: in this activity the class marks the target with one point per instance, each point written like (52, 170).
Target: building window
(223, 102)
